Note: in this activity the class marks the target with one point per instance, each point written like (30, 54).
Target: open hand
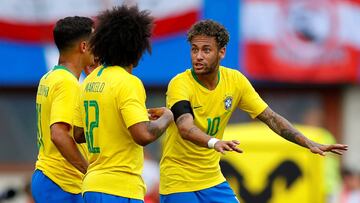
(334, 148)
(222, 146)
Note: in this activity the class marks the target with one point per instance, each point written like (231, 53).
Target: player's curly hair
(209, 28)
(122, 35)
(71, 29)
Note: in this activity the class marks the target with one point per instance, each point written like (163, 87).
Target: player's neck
(209, 81)
(129, 68)
(72, 63)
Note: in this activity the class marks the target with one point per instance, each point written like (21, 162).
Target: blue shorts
(45, 190)
(98, 197)
(218, 194)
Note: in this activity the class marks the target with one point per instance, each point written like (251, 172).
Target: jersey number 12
(89, 130)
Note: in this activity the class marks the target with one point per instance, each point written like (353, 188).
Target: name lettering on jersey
(95, 87)
(228, 102)
(43, 90)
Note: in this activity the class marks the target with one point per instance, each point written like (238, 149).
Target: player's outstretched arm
(189, 131)
(60, 136)
(144, 133)
(285, 129)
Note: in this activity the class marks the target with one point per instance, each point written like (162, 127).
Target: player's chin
(200, 71)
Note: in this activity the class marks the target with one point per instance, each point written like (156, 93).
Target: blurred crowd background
(303, 57)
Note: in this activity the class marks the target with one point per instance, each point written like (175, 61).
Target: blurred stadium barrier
(274, 170)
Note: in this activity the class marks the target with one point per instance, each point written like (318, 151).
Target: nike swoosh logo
(196, 107)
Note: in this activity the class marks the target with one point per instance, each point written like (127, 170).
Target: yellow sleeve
(78, 121)
(250, 101)
(178, 90)
(63, 104)
(131, 102)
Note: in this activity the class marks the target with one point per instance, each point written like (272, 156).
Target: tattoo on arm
(182, 118)
(289, 135)
(191, 130)
(282, 127)
(191, 127)
(154, 129)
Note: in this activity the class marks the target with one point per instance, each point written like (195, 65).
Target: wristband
(211, 143)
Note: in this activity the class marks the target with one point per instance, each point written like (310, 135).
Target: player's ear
(83, 46)
(222, 52)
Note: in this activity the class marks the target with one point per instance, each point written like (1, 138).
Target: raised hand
(334, 148)
(223, 146)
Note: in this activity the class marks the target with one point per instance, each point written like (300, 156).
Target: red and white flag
(33, 20)
(301, 41)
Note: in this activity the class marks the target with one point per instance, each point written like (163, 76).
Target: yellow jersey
(185, 166)
(56, 100)
(112, 100)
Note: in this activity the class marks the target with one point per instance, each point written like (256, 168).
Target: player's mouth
(198, 66)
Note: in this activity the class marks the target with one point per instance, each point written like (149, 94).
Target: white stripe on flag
(261, 22)
(349, 19)
(48, 11)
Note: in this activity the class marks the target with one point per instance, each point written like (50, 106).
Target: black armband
(180, 108)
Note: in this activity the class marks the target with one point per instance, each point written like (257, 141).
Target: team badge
(228, 102)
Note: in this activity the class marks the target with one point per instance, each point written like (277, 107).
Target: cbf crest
(228, 102)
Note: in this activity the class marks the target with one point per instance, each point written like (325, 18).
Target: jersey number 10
(213, 126)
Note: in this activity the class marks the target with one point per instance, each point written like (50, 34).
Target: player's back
(110, 102)
(55, 102)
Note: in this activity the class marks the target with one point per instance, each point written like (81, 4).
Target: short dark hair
(122, 35)
(70, 29)
(209, 28)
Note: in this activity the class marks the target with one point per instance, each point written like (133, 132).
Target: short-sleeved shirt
(55, 102)
(112, 100)
(185, 166)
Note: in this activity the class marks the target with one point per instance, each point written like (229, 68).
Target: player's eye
(207, 50)
(194, 50)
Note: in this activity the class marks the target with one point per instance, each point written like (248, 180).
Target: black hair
(122, 35)
(70, 29)
(209, 28)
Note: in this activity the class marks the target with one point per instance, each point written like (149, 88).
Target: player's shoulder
(45, 76)
(228, 70)
(66, 77)
(231, 73)
(110, 74)
(135, 82)
(59, 77)
(126, 80)
(182, 78)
